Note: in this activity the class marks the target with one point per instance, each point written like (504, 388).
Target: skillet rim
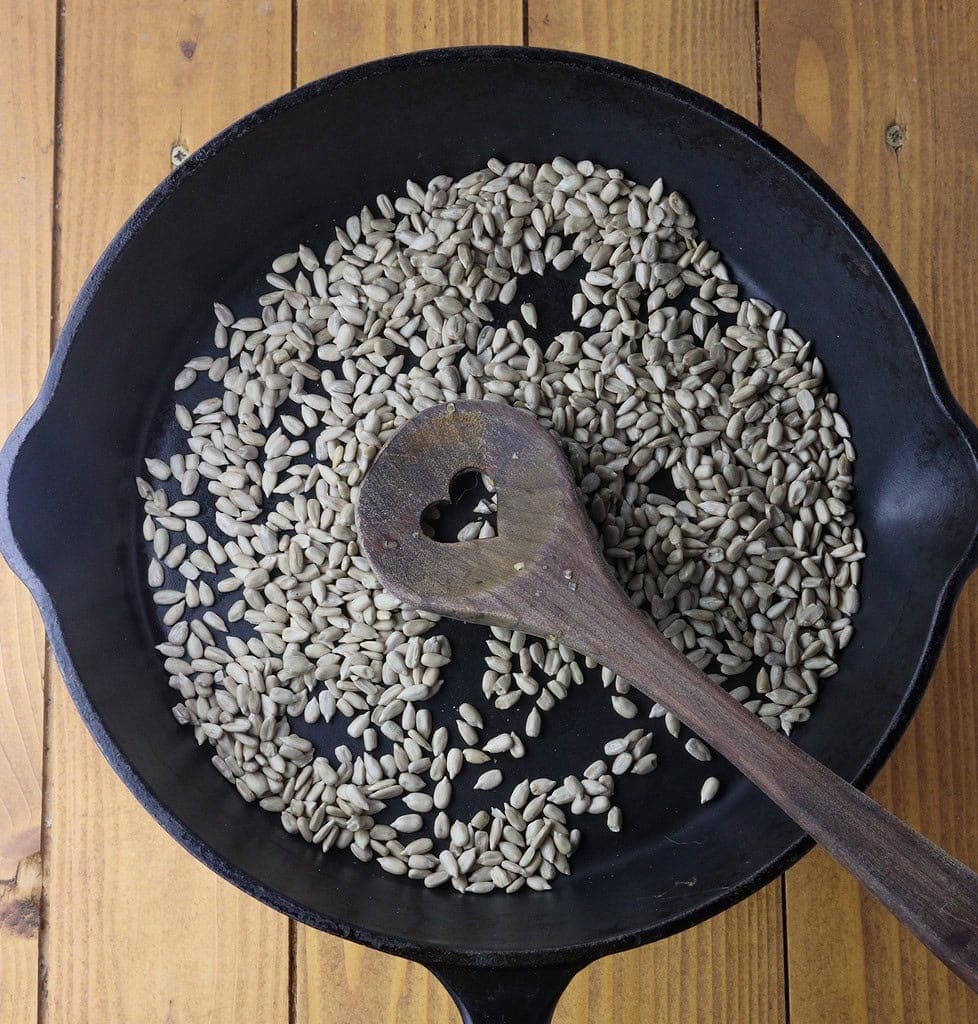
(425, 952)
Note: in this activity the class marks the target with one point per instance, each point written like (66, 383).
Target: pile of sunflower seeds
(670, 373)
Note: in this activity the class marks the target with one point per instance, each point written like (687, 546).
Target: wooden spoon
(544, 574)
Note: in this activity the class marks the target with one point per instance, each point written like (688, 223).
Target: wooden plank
(135, 929)
(839, 75)
(27, 77)
(705, 44)
(334, 34)
(728, 970)
(338, 980)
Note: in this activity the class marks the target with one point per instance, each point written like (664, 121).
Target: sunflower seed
(756, 561)
(709, 789)
(489, 780)
(698, 749)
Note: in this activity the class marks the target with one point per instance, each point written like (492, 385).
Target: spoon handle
(933, 894)
(545, 574)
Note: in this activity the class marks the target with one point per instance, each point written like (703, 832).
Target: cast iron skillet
(291, 170)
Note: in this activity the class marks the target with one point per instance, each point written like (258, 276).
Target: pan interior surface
(292, 172)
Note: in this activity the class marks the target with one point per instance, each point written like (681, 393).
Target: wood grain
(729, 969)
(835, 77)
(135, 930)
(726, 971)
(27, 78)
(337, 980)
(334, 34)
(723, 972)
(705, 44)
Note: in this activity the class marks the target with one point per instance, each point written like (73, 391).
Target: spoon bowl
(495, 580)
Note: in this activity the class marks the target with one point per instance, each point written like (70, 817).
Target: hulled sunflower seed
(752, 570)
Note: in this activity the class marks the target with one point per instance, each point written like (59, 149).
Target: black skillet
(291, 170)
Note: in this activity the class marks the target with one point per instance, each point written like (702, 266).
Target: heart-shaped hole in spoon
(469, 513)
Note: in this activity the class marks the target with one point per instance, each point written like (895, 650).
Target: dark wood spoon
(544, 574)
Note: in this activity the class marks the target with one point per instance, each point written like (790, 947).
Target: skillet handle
(505, 995)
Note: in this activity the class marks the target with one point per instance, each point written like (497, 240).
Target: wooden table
(103, 918)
